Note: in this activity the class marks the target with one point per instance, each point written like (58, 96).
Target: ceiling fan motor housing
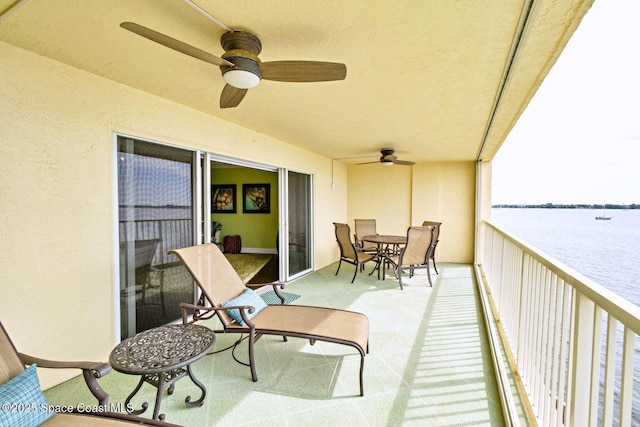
(241, 40)
(241, 49)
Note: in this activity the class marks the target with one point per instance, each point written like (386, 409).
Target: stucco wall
(400, 196)
(57, 187)
(58, 203)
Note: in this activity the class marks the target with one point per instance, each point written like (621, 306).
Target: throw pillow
(248, 297)
(22, 403)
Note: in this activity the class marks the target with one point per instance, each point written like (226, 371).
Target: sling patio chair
(23, 403)
(349, 252)
(242, 310)
(415, 254)
(434, 241)
(365, 227)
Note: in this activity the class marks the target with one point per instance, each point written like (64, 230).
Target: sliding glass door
(299, 223)
(155, 215)
(164, 203)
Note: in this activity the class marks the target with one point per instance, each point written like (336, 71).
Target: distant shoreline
(568, 206)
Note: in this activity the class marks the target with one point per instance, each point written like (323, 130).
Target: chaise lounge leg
(361, 375)
(252, 361)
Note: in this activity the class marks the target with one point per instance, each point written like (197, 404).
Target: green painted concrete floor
(428, 363)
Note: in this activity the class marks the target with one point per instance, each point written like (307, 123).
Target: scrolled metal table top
(162, 349)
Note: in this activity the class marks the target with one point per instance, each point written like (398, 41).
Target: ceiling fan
(240, 66)
(389, 159)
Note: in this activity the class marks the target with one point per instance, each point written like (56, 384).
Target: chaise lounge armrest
(258, 288)
(243, 309)
(90, 370)
(261, 288)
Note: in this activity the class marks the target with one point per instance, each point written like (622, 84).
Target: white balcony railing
(172, 233)
(574, 343)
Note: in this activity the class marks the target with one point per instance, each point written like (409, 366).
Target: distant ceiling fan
(389, 159)
(241, 68)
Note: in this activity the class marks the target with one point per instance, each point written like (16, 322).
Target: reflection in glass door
(299, 221)
(156, 215)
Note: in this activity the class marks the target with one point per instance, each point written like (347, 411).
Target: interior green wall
(257, 230)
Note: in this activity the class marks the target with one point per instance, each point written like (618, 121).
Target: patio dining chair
(414, 255)
(365, 227)
(349, 253)
(434, 241)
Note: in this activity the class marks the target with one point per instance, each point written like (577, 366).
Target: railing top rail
(623, 310)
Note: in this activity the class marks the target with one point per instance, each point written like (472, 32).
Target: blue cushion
(22, 403)
(248, 297)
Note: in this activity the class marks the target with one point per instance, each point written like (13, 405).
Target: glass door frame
(196, 215)
(202, 209)
(283, 181)
(283, 208)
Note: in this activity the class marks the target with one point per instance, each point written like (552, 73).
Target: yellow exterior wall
(58, 195)
(401, 196)
(445, 192)
(380, 192)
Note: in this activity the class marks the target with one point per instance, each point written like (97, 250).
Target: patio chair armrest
(277, 291)
(90, 370)
(98, 369)
(266, 287)
(185, 307)
(244, 309)
(261, 287)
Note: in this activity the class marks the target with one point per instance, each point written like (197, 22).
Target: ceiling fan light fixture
(241, 79)
(386, 162)
(245, 73)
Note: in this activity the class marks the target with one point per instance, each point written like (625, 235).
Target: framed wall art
(223, 198)
(256, 198)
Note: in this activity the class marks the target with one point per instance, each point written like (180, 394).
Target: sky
(578, 141)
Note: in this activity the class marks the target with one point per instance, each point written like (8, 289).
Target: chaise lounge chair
(241, 310)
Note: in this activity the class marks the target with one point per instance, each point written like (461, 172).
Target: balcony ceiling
(433, 79)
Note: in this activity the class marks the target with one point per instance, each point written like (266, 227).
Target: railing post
(581, 359)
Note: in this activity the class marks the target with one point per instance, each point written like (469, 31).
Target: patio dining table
(386, 244)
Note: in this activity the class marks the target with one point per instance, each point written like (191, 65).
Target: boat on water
(604, 216)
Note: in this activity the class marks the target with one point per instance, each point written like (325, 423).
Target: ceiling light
(386, 162)
(241, 79)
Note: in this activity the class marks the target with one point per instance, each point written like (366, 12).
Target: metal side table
(162, 356)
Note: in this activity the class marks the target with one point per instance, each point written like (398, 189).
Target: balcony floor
(429, 363)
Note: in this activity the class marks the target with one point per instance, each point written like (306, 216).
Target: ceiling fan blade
(231, 96)
(303, 71)
(174, 44)
(403, 162)
(368, 163)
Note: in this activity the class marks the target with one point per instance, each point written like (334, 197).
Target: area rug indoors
(248, 265)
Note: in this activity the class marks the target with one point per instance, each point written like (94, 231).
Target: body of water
(604, 251)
